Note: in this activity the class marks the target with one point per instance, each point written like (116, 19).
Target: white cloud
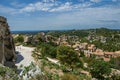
(42, 6)
(96, 1)
(49, 6)
(81, 15)
(49, 1)
(64, 7)
(69, 6)
(39, 6)
(82, 5)
(85, 18)
(53, 7)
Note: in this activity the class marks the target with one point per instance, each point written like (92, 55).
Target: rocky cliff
(7, 48)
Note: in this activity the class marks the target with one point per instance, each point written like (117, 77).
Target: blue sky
(61, 14)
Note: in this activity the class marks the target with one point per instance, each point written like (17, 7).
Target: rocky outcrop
(7, 48)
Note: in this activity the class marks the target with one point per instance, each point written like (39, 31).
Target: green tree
(115, 77)
(47, 50)
(19, 39)
(68, 57)
(115, 63)
(99, 69)
(82, 54)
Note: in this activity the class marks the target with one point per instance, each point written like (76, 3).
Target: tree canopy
(115, 63)
(68, 57)
(99, 69)
(19, 39)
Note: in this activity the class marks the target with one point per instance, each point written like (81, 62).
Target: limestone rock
(7, 48)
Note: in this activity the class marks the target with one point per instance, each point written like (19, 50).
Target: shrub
(19, 39)
(69, 77)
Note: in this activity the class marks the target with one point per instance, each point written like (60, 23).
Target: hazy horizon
(58, 30)
(61, 14)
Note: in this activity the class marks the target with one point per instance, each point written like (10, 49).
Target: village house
(108, 54)
(64, 43)
(98, 53)
(91, 47)
(117, 54)
(83, 45)
(87, 53)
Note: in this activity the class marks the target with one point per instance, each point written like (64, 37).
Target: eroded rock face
(7, 48)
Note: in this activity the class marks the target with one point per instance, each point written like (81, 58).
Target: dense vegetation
(19, 39)
(80, 33)
(112, 37)
(115, 63)
(8, 73)
(99, 69)
(72, 64)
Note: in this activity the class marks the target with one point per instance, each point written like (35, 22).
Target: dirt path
(24, 55)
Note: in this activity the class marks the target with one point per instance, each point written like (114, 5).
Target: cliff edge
(7, 48)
